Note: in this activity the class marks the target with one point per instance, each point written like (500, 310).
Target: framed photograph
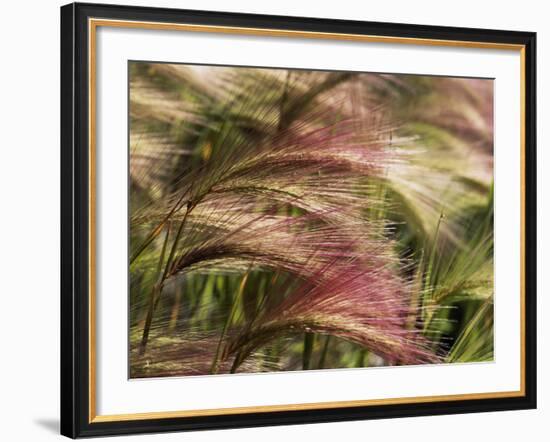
(279, 220)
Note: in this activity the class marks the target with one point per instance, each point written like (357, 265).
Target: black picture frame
(75, 219)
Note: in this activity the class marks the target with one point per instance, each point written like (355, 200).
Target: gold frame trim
(93, 24)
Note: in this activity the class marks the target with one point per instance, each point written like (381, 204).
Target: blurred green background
(222, 168)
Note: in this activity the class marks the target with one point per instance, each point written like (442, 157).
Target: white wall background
(29, 220)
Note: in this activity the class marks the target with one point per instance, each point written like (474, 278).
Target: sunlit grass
(286, 220)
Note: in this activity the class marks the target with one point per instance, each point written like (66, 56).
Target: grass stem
(309, 340)
(324, 352)
(215, 362)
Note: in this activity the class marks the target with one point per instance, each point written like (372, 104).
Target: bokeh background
(288, 220)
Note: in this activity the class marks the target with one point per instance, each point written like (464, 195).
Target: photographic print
(284, 220)
(311, 220)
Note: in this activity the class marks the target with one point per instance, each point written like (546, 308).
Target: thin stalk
(167, 268)
(309, 340)
(147, 328)
(163, 251)
(417, 291)
(215, 362)
(154, 295)
(324, 352)
(431, 261)
(428, 279)
(236, 363)
(157, 289)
